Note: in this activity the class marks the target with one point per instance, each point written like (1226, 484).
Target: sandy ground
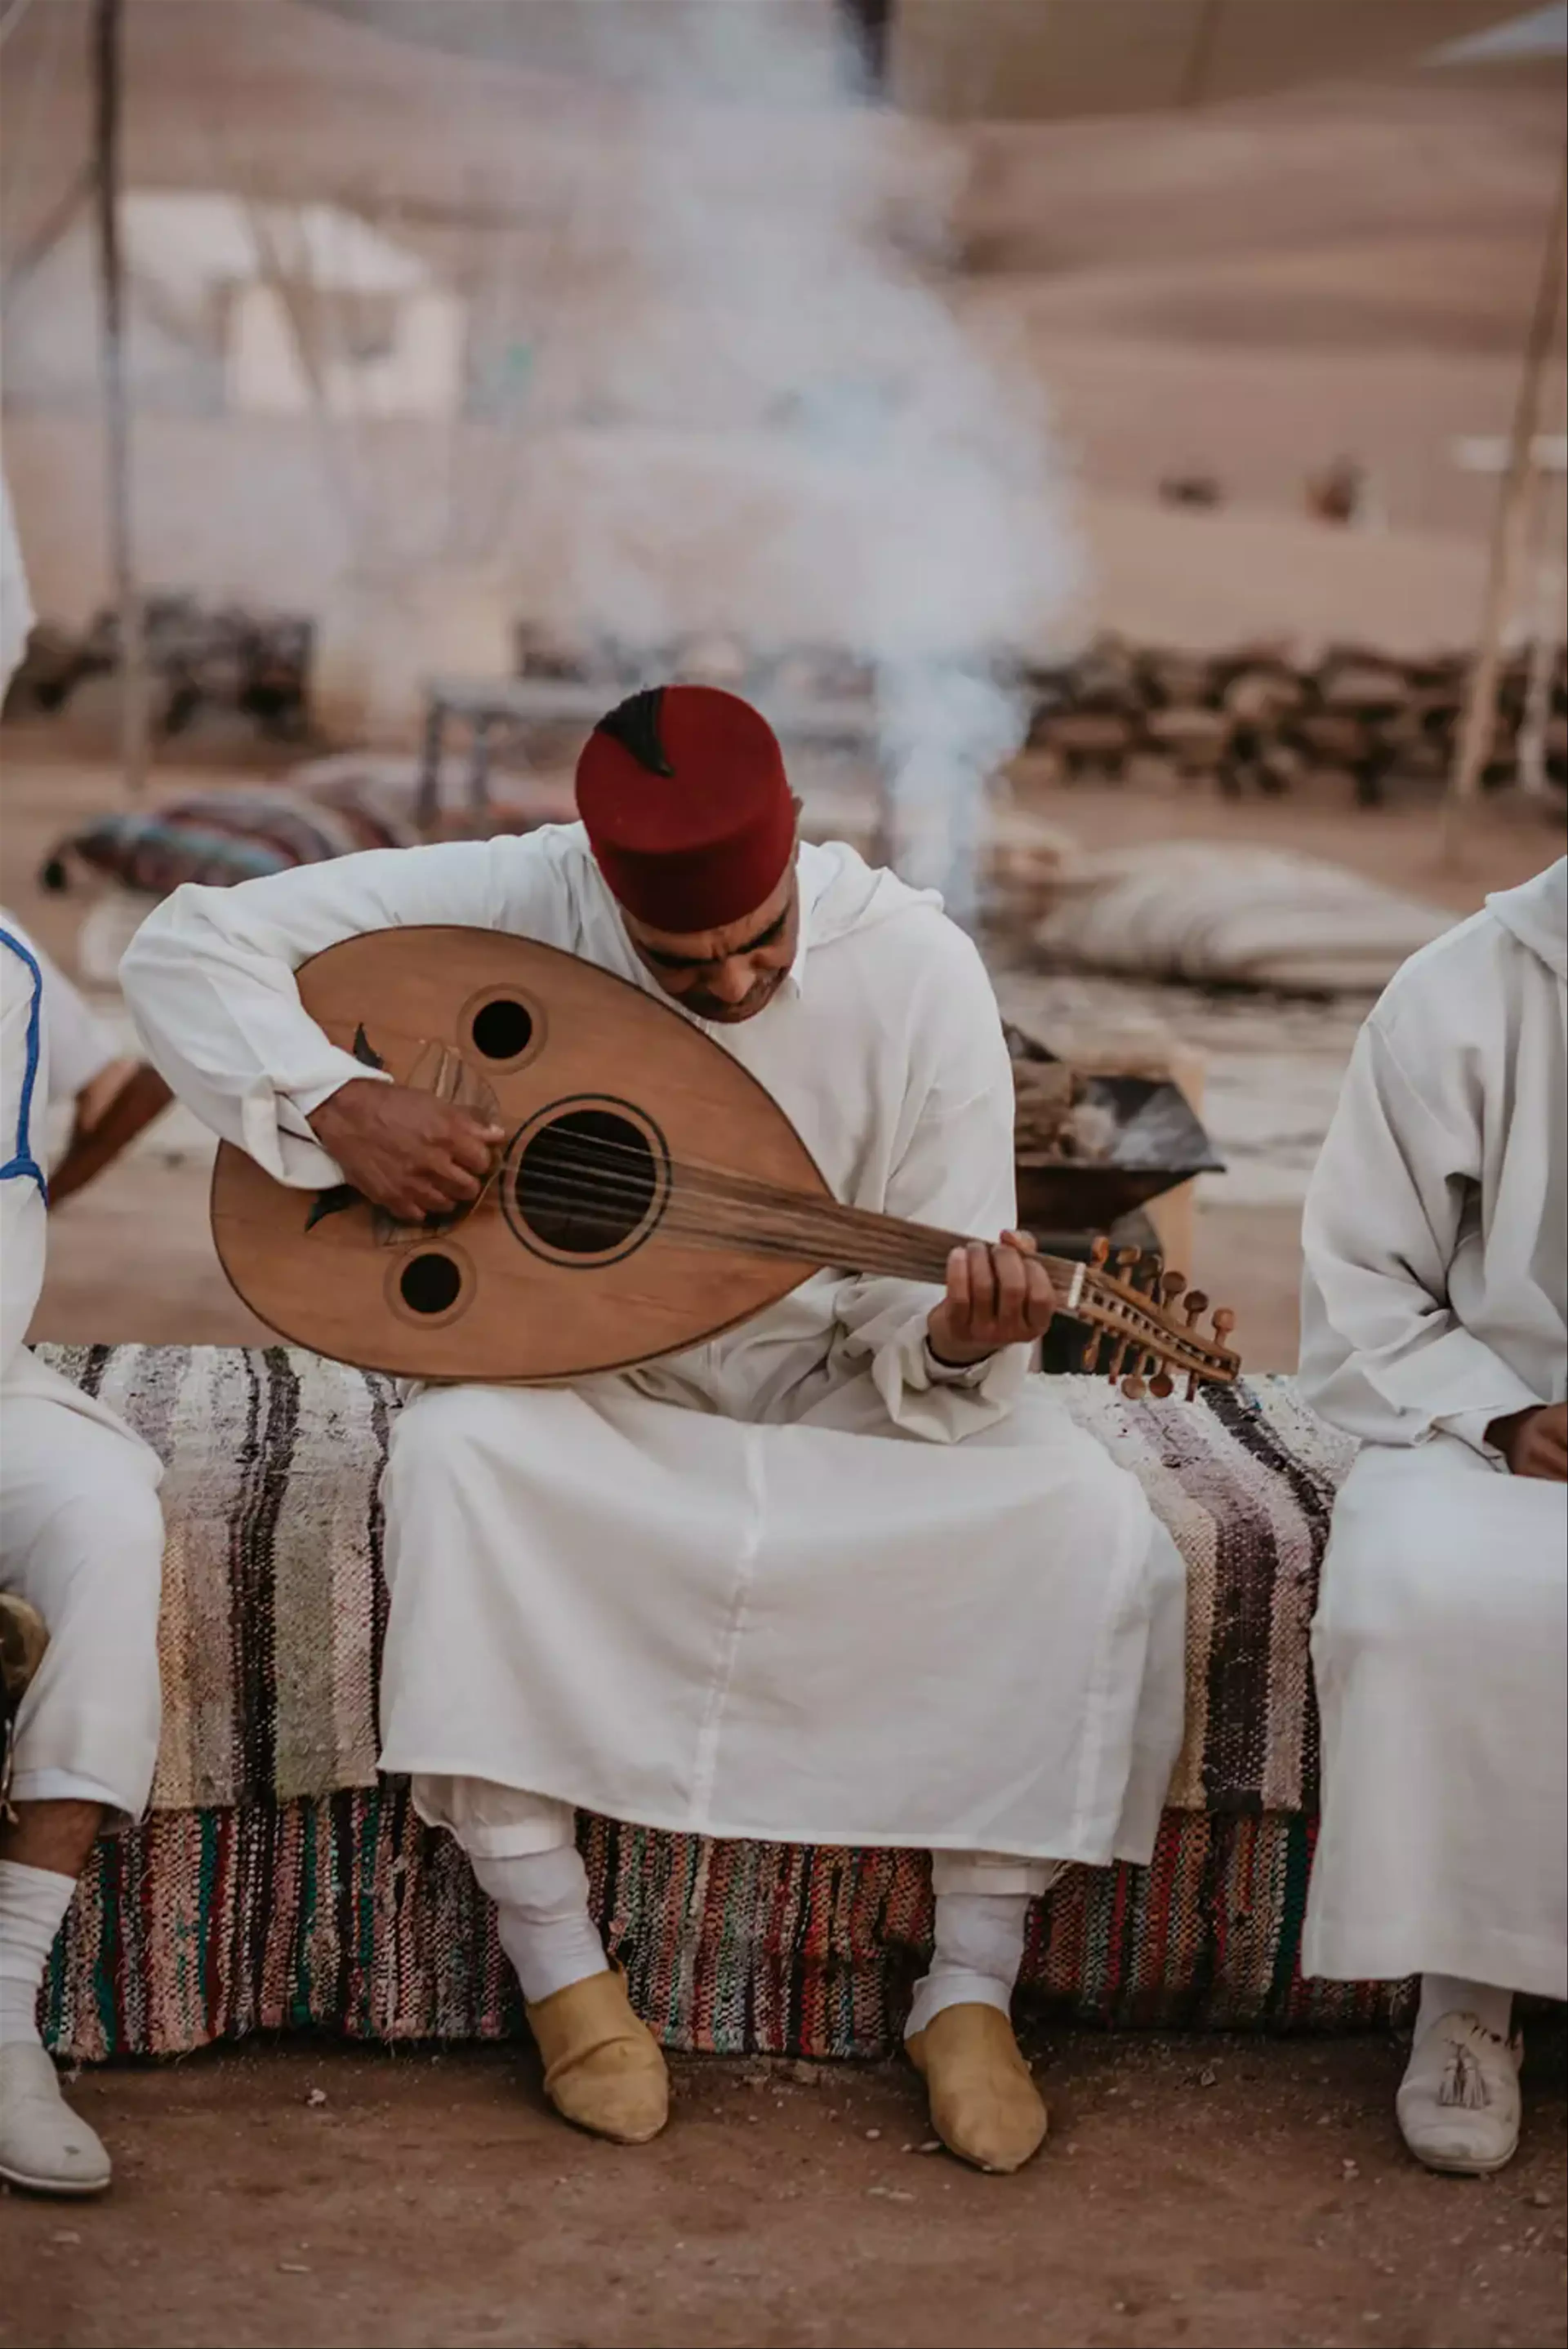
(1203, 2191)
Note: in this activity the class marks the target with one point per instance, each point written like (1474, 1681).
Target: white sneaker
(1458, 2101)
(43, 2143)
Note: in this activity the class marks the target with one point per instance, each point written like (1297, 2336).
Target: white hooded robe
(1435, 1302)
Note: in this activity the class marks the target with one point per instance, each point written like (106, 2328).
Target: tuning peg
(1126, 1259)
(1086, 1360)
(1134, 1388)
(1100, 1250)
(1171, 1286)
(1162, 1385)
(1196, 1303)
(1224, 1322)
(1191, 1386)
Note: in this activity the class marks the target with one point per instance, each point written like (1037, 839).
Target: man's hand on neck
(996, 1297)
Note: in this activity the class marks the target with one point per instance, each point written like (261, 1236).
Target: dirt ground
(1205, 2191)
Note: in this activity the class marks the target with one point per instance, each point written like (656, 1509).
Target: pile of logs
(230, 660)
(1254, 720)
(1058, 1119)
(795, 672)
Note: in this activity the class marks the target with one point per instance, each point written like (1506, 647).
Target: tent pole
(1546, 554)
(108, 26)
(1508, 527)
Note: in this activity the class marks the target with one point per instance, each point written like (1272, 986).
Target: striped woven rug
(279, 1883)
(346, 1915)
(273, 1605)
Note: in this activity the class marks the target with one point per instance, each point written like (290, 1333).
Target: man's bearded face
(731, 974)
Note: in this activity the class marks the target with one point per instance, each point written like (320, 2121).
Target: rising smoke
(806, 444)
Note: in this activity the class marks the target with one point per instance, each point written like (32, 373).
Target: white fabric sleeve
(1383, 1354)
(210, 979)
(955, 1172)
(80, 1045)
(954, 1374)
(23, 1088)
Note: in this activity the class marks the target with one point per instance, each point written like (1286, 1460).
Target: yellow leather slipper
(603, 2069)
(984, 2105)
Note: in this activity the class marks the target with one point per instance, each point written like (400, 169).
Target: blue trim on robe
(22, 1162)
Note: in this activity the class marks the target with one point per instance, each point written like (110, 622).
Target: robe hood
(1537, 914)
(841, 893)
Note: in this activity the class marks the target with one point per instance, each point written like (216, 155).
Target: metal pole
(1513, 509)
(108, 23)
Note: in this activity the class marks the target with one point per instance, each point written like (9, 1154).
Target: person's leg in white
(603, 2068)
(44, 2146)
(541, 1918)
(984, 2105)
(1438, 1651)
(81, 1540)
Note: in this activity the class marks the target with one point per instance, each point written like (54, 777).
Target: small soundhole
(429, 1283)
(586, 1181)
(503, 1029)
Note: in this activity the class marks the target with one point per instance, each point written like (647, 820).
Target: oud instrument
(650, 1194)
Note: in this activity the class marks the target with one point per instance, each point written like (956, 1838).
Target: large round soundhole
(586, 1181)
(501, 1030)
(430, 1284)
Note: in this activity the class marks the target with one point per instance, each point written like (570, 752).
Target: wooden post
(107, 25)
(1513, 509)
(1547, 551)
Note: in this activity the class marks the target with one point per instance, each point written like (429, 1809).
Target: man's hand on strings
(405, 1151)
(996, 1297)
(1535, 1443)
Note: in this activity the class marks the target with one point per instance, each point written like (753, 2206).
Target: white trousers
(493, 1822)
(81, 1539)
(1440, 1648)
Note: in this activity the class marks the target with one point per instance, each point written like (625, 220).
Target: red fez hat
(683, 795)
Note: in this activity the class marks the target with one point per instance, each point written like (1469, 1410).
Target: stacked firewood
(1057, 1120)
(791, 672)
(1254, 720)
(200, 658)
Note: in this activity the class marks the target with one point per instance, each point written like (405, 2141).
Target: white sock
(1450, 1994)
(33, 1904)
(980, 1948)
(542, 1905)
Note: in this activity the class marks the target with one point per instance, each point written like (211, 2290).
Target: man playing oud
(844, 1576)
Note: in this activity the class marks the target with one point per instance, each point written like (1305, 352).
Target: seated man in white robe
(81, 1543)
(1435, 1327)
(842, 1575)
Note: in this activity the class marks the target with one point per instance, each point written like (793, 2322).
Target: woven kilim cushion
(278, 1881)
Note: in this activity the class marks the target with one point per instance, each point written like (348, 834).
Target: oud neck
(863, 1241)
